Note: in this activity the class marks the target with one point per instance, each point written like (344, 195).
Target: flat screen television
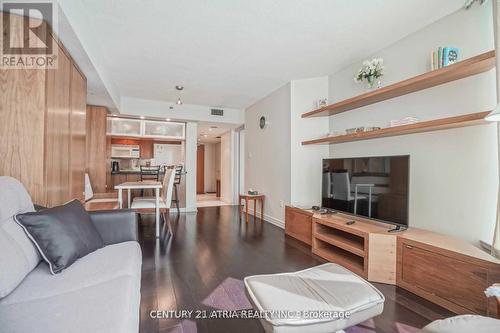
(371, 187)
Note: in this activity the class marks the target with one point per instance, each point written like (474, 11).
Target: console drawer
(298, 224)
(455, 284)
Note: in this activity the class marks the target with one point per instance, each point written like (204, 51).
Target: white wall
(191, 145)
(227, 164)
(241, 162)
(267, 162)
(453, 173)
(306, 167)
(209, 175)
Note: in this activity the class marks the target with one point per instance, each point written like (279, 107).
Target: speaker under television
(370, 187)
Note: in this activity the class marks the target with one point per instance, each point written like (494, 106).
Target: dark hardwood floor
(203, 265)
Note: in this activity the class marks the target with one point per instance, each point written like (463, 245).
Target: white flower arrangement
(370, 71)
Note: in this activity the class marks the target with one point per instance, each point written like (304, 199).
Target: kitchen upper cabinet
(124, 126)
(152, 129)
(161, 129)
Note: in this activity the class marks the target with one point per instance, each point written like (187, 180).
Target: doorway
(216, 164)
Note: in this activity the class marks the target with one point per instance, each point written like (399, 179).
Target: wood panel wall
(22, 114)
(35, 126)
(97, 158)
(57, 137)
(78, 134)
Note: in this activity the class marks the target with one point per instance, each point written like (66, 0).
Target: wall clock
(262, 122)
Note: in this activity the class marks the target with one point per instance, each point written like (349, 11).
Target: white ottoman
(463, 324)
(316, 294)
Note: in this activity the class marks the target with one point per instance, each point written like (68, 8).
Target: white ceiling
(209, 132)
(231, 53)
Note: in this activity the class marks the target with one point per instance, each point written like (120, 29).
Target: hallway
(209, 200)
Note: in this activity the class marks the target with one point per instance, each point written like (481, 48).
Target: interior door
(200, 169)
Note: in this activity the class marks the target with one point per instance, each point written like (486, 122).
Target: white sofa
(98, 293)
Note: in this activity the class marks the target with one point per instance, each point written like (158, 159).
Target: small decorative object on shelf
(320, 103)
(334, 133)
(355, 130)
(444, 56)
(252, 192)
(371, 72)
(404, 121)
(371, 128)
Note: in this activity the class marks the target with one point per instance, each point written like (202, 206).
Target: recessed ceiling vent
(217, 112)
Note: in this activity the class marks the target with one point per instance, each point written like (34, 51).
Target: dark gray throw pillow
(62, 234)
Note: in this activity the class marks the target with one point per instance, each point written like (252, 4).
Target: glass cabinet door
(123, 126)
(161, 129)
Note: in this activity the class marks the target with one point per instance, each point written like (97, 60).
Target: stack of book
(444, 56)
(404, 121)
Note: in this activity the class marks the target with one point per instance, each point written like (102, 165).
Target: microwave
(125, 151)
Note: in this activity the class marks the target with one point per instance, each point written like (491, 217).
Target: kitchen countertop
(129, 172)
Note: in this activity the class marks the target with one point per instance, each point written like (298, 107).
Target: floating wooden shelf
(423, 126)
(462, 69)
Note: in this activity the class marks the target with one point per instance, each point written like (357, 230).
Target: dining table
(141, 185)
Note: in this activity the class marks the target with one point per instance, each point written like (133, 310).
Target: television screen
(372, 187)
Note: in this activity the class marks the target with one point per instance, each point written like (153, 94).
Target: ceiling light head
(179, 87)
(179, 101)
(168, 119)
(142, 117)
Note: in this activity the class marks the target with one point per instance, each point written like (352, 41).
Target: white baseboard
(277, 222)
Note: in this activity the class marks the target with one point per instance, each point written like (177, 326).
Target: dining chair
(150, 173)
(147, 204)
(98, 201)
(177, 181)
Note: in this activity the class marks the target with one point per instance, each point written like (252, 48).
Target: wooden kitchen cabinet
(119, 178)
(146, 148)
(134, 177)
(36, 128)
